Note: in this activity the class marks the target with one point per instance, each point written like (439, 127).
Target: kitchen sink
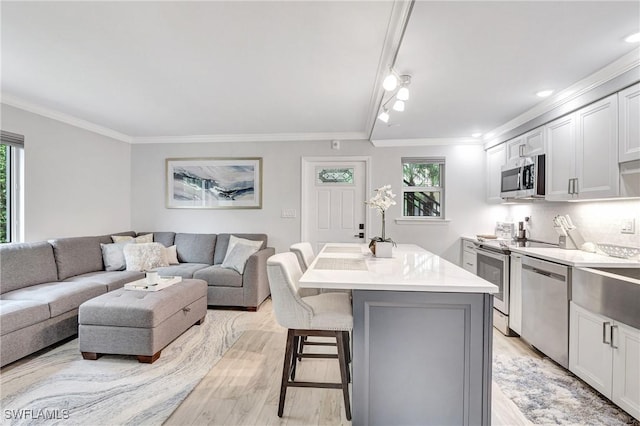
(625, 272)
(612, 292)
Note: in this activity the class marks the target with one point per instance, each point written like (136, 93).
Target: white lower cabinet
(515, 293)
(626, 369)
(469, 256)
(606, 354)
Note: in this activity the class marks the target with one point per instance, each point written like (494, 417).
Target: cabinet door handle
(604, 333)
(611, 343)
(569, 187)
(575, 186)
(521, 150)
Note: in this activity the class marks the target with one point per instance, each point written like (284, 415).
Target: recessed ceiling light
(489, 135)
(544, 93)
(633, 38)
(476, 135)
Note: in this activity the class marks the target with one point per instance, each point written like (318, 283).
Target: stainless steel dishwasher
(546, 290)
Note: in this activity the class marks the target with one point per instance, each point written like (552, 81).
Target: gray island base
(421, 358)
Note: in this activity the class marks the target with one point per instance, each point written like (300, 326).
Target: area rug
(549, 395)
(59, 387)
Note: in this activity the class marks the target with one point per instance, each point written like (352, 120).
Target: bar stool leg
(297, 341)
(286, 370)
(342, 358)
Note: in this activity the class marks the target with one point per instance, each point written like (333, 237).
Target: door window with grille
(423, 187)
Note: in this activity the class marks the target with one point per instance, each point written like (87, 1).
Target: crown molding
(390, 143)
(17, 102)
(252, 137)
(622, 65)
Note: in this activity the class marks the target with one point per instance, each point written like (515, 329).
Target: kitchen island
(422, 335)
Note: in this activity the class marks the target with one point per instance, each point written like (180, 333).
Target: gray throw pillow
(113, 256)
(237, 258)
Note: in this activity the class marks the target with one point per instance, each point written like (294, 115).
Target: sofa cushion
(145, 256)
(195, 248)
(113, 280)
(17, 314)
(25, 264)
(184, 270)
(218, 276)
(164, 238)
(223, 242)
(78, 255)
(61, 296)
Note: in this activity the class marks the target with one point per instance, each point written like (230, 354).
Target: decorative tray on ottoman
(143, 285)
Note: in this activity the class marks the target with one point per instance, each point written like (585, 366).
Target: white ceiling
(311, 69)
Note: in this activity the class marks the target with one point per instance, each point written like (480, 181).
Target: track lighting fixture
(384, 116)
(399, 85)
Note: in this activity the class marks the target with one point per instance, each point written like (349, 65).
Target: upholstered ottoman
(141, 323)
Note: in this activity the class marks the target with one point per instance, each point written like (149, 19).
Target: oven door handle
(492, 254)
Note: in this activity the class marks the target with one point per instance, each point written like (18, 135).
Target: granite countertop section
(411, 268)
(574, 258)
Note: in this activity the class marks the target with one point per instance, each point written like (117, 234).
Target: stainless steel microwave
(523, 178)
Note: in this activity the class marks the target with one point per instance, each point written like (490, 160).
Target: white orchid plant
(381, 201)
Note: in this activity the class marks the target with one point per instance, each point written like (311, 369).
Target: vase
(382, 249)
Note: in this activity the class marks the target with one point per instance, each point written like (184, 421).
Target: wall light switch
(628, 226)
(288, 213)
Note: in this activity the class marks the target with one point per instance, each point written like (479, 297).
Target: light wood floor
(243, 388)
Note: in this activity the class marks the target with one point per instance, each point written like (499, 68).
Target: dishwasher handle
(543, 272)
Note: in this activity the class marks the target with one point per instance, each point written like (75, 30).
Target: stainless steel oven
(493, 266)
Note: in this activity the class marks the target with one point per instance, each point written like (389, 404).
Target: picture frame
(214, 183)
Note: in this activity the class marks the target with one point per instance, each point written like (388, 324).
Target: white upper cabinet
(629, 123)
(597, 150)
(495, 158)
(531, 143)
(582, 152)
(561, 158)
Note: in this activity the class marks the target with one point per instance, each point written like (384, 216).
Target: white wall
(281, 189)
(76, 182)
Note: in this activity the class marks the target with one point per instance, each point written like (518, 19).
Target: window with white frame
(423, 187)
(11, 159)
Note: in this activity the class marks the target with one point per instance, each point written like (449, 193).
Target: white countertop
(575, 258)
(410, 269)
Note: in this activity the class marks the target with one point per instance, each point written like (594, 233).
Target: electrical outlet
(628, 226)
(288, 213)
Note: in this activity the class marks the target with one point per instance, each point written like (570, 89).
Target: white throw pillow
(172, 255)
(144, 256)
(233, 240)
(140, 239)
(237, 258)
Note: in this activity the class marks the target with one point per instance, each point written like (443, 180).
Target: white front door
(333, 196)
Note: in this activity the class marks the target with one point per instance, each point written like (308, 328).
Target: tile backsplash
(598, 221)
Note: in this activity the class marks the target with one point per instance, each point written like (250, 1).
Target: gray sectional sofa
(42, 284)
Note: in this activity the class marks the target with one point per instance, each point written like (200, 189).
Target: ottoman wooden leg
(91, 355)
(146, 359)
(200, 321)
